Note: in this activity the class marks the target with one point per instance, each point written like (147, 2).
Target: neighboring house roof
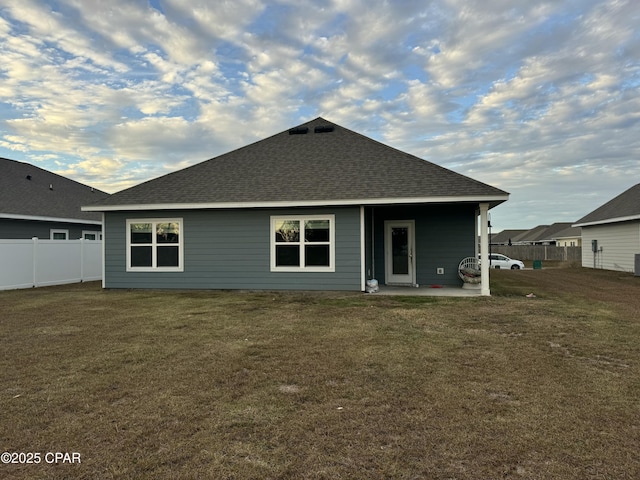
(624, 207)
(28, 192)
(541, 233)
(549, 233)
(571, 232)
(506, 235)
(316, 163)
(530, 235)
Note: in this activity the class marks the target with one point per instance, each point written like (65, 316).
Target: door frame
(389, 277)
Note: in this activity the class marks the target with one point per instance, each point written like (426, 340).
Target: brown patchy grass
(236, 385)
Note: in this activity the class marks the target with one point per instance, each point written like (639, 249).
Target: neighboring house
(506, 237)
(540, 235)
(38, 203)
(314, 207)
(611, 233)
(548, 235)
(529, 236)
(569, 237)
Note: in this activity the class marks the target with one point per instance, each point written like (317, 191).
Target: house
(317, 206)
(529, 237)
(611, 233)
(540, 235)
(37, 203)
(547, 235)
(569, 237)
(506, 237)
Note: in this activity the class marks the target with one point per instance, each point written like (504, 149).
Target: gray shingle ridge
(334, 165)
(627, 204)
(32, 197)
(568, 232)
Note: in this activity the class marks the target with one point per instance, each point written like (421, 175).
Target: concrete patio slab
(428, 291)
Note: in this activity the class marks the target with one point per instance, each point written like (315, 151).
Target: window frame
(154, 245)
(54, 231)
(91, 232)
(301, 243)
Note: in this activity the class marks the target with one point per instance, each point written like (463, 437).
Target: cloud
(222, 21)
(539, 98)
(49, 26)
(150, 137)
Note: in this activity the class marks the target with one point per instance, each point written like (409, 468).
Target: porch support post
(484, 249)
(363, 266)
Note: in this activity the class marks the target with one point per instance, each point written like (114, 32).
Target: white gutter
(608, 220)
(38, 218)
(310, 203)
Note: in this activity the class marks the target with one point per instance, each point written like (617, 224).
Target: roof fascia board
(311, 203)
(608, 220)
(38, 218)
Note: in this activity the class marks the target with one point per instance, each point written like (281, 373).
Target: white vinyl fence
(38, 263)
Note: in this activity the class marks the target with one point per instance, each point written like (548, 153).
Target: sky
(538, 98)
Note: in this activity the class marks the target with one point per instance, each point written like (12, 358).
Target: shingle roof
(25, 192)
(625, 206)
(569, 233)
(548, 234)
(541, 233)
(314, 163)
(530, 235)
(506, 235)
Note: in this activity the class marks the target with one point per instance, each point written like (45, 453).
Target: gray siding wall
(230, 249)
(445, 234)
(25, 229)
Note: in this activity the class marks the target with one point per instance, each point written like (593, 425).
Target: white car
(502, 261)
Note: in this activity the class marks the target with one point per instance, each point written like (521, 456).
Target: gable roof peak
(315, 163)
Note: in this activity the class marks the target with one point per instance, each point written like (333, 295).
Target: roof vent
(28, 177)
(298, 130)
(50, 186)
(323, 129)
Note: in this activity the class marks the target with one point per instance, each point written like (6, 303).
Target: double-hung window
(155, 245)
(303, 243)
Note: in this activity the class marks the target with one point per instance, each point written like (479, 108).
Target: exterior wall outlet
(440, 270)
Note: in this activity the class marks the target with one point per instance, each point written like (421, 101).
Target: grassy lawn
(327, 386)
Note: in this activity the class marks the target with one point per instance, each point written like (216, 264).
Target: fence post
(35, 261)
(81, 260)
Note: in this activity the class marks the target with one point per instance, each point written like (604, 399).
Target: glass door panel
(400, 259)
(400, 250)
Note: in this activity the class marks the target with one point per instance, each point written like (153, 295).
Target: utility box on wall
(636, 269)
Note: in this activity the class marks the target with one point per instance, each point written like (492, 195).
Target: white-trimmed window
(155, 245)
(303, 243)
(91, 235)
(58, 234)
